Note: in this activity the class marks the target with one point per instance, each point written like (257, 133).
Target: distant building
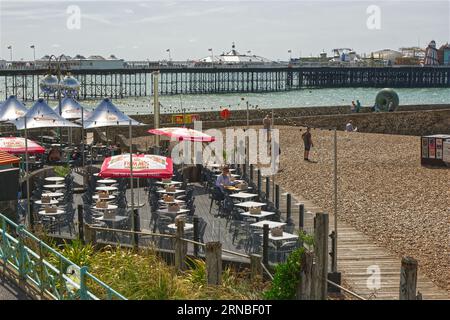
(387, 55)
(444, 54)
(234, 57)
(94, 62)
(431, 54)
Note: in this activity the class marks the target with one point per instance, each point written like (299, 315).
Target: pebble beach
(384, 192)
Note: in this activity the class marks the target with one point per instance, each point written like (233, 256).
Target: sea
(190, 103)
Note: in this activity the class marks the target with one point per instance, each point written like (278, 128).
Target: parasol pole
(30, 218)
(131, 182)
(82, 143)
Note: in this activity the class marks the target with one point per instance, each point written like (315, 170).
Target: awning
(6, 158)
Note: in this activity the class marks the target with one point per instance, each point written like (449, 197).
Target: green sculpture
(386, 100)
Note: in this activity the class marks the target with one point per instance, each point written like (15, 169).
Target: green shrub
(286, 278)
(62, 171)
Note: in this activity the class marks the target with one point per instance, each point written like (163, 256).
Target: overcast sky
(139, 30)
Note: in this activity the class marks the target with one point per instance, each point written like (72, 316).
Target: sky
(141, 30)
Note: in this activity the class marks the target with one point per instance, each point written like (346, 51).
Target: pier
(137, 81)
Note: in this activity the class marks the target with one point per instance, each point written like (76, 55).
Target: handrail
(131, 232)
(346, 290)
(39, 271)
(267, 271)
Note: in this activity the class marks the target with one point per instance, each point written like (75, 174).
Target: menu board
(438, 148)
(431, 148)
(424, 147)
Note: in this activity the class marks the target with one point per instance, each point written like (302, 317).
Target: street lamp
(34, 51)
(68, 87)
(290, 55)
(10, 53)
(212, 55)
(168, 50)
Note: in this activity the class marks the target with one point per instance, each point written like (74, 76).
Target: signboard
(438, 148)
(446, 151)
(424, 147)
(431, 148)
(185, 118)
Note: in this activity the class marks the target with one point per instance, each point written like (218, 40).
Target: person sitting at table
(224, 179)
(54, 155)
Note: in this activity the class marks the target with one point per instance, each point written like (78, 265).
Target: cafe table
(187, 226)
(109, 189)
(109, 207)
(166, 211)
(263, 214)
(57, 213)
(285, 236)
(97, 197)
(39, 202)
(243, 195)
(271, 224)
(250, 204)
(53, 194)
(177, 191)
(54, 179)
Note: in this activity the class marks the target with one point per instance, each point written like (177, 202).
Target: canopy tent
(41, 116)
(17, 145)
(106, 114)
(144, 166)
(183, 134)
(71, 109)
(11, 109)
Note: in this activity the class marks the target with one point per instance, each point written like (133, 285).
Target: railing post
(256, 267)
(195, 221)
(266, 244)
(332, 253)
(305, 284)
(259, 181)
(301, 216)
(83, 289)
(268, 188)
(408, 279)
(180, 253)
(90, 234)
(213, 253)
(289, 209)
(277, 196)
(21, 257)
(81, 224)
(321, 253)
(31, 218)
(136, 228)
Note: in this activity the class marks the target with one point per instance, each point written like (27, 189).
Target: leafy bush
(286, 278)
(62, 171)
(287, 275)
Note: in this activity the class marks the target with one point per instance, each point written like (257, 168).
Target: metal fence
(46, 270)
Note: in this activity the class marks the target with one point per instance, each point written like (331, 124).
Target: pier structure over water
(137, 82)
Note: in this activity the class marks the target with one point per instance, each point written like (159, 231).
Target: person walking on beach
(353, 107)
(267, 123)
(307, 140)
(358, 106)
